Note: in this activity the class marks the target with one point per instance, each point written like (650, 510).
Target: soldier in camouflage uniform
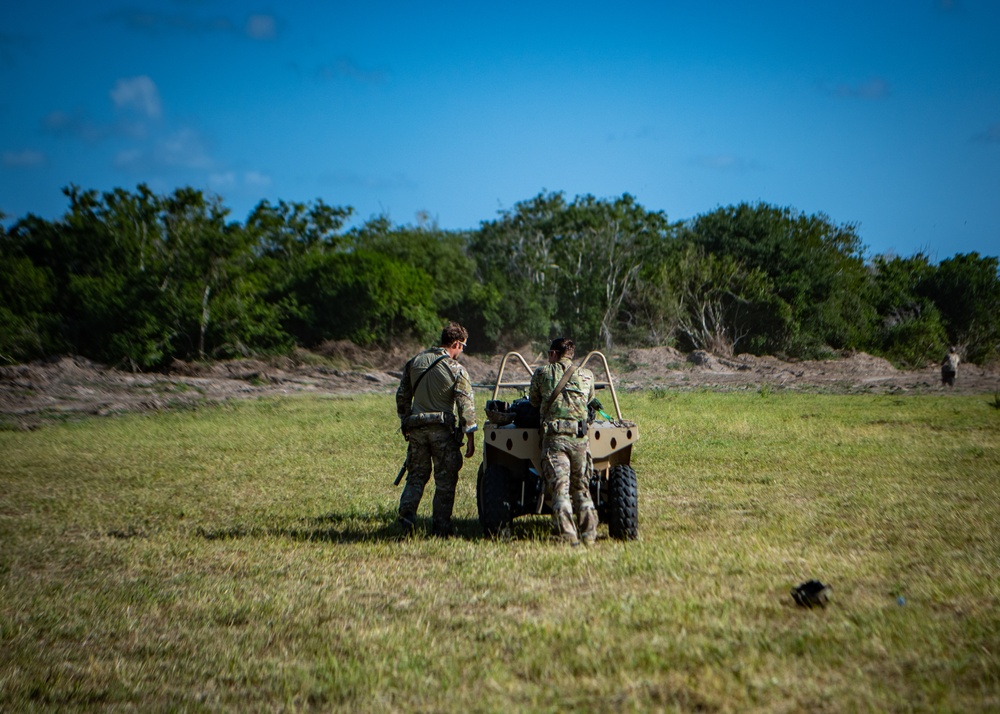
(565, 441)
(434, 384)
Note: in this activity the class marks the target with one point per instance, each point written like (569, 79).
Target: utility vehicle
(510, 482)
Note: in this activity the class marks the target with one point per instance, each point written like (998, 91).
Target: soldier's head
(561, 347)
(454, 338)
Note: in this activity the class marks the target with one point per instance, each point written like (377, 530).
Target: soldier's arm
(404, 394)
(465, 402)
(535, 388)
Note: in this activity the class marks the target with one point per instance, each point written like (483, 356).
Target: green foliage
(910, 330)
(916, 341)
(513, 255)
(291, 230)
(439, 254)
(136, 279)
(966, 290)
(444, 258)
(101, 295)
(816, 269)
(139, 279)
(365, 297)
(716, 302)
(26, 296)
(599, 245)
(566, 268)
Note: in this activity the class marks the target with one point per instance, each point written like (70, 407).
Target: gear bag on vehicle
(525, 415)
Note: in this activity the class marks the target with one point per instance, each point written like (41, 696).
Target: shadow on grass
(369, 527)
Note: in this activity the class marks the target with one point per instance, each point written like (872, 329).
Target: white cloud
(261, 27)
(139, 94)
(256, 179)
(223, 180)
(24, 159)
(183, 148)
(230, 180)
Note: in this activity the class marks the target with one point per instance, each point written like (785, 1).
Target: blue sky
(881, 113)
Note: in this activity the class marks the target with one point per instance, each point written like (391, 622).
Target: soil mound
(68, 387)
(350, 355)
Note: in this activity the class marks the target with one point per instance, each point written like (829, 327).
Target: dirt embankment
(851, 373)
(40, 392)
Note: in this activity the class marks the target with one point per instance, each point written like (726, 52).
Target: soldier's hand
(470, 445)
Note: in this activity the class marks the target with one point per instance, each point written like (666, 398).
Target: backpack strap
(559, 387)
(424, 373)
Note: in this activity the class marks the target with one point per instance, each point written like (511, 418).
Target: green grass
(245, 557)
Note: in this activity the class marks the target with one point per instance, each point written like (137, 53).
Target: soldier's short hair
(452, 333)
(563, 346)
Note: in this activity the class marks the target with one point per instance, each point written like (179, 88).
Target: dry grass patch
(246, 557)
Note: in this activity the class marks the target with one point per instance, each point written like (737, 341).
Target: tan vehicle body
(509, 483)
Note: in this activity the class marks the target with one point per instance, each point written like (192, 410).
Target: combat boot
(408, 525)
(566, 528)
(442, 531)
(588, 526)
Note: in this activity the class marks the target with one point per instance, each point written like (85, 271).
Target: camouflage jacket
(571, 404)
(442, 389)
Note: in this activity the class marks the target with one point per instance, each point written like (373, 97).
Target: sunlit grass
(246, 557)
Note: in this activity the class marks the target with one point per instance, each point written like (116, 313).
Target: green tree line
(136, 279)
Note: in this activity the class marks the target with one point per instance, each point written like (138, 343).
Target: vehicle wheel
(494, 502)
(623, 503)
(599, 496)
(479, 490)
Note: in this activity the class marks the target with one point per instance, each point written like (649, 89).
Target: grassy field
(246, 557)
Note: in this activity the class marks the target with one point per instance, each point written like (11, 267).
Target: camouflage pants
(435, 443)
(566, 466)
